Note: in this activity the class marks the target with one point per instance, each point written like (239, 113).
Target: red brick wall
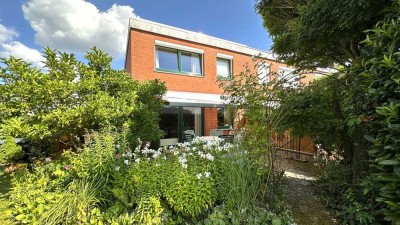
(141, 63)
(210, 120)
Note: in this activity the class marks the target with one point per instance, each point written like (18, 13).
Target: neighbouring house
(189, 63)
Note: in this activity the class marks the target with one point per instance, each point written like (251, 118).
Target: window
(224, 70)
(178, 61)
(224, 118)
(288, 76)
(224, 66)
(263, 72)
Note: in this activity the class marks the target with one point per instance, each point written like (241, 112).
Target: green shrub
(83, 96)
(31, 196)
(10, 151)
(149, 211)
(107, 182)
(74, 204)
(351, 204)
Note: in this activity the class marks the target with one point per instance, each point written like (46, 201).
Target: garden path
(306, 207)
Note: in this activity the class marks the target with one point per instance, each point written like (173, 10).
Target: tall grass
(241, 184)
(80, 197)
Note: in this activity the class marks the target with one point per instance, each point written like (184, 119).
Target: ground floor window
(182, 123)
(225, 119)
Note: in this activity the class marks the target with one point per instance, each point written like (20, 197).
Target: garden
(91, 154)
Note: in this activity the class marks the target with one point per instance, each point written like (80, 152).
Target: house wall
(141, 63)
(210, 120)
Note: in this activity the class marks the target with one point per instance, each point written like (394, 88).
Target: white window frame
(229, 58)
(290, 78)
(267, 68)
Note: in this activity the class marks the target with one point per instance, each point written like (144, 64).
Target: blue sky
(76, 25)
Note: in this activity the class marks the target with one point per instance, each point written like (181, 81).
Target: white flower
(182, 159)
(129, 154)
(117, 168)
(156, 154)
(199, 175)
(47, 159)
(137, 160)
(126, 162)
(118, 146)
(209, 157)
(184, 165)
(207, 174)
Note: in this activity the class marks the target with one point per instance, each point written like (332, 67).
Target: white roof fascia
(158, 28)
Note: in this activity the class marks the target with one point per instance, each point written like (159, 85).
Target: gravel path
(307, 209)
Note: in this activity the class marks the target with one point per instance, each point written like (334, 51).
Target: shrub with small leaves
(10, 151)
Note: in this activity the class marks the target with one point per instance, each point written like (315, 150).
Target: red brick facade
(140, 63)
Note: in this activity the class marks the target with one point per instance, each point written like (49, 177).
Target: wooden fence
(290, 146)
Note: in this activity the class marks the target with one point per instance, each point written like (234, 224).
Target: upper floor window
(224, 66)
(289, 77)
(263, 72)
(178, 59)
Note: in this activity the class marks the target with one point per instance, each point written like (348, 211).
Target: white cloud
(10, 47)
(7, 34)
(19, 50)
(76, 25)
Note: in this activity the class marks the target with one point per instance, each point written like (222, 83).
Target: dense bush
(10, 151)
(380, 79)
(351, 205)
(108, 182)
(65, 98)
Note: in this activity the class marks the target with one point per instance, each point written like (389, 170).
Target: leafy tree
(318, 33)
(67, 97)
(326, 33)
(312, 114)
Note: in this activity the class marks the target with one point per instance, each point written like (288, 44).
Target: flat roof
(170, 31)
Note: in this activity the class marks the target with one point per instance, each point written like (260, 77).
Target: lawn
(5, 185)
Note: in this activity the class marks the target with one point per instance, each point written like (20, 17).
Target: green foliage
(239, 188)
(149, 211)
(312, 113)
(97, 156)
(69, 97)
(318, 33)
(334, 185)
(107, 182)
(77, 201)
(379, 77)
(256, 102)
(10, 151)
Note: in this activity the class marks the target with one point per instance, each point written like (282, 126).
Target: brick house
(189, 63)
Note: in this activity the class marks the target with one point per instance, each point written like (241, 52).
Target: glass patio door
(183, 123)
